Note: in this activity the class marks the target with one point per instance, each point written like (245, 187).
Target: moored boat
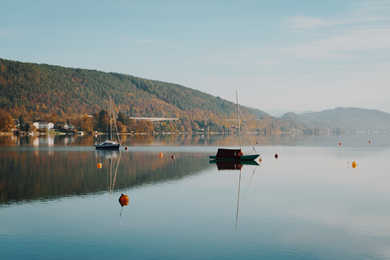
(107, 145)
(224, 154)
(110, 144)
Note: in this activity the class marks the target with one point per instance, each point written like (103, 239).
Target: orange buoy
(124, 200)
(354, 164)
(276, 156)
(161, 155)
(99, 165)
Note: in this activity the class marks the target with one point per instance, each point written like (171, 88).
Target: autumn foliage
(80, 96)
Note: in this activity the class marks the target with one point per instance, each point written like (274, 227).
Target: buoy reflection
(354, 164)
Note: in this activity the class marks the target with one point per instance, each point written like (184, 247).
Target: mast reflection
(113, 159)
(235, 166)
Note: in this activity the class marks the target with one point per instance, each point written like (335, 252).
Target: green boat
(251, 162)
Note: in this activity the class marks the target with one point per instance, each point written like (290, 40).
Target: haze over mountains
(36, 90)
(344, 118)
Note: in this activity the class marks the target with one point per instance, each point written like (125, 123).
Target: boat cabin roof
(222, 152)
(109, 142)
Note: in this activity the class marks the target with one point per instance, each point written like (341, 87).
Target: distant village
(38, 127)
(99, 123)
(66, 128)
(43, 128)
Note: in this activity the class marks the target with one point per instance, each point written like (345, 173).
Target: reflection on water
(238, 198)
(29, 175)
(113, 159)
(58, 203)
(236, 166)
(232, 164)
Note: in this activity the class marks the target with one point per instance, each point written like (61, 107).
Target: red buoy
(124, 200)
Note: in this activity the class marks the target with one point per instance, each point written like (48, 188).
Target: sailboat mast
(238, 118)
(115, 123)
(110, 114)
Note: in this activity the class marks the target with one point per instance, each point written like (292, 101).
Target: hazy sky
(281, 55)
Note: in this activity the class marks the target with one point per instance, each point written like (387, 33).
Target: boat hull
(242, 158)
(107, 147)
(239, 163)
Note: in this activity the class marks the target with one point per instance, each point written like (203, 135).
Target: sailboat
(224, 154)
(110, 144)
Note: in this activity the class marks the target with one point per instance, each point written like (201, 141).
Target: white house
(43, 125)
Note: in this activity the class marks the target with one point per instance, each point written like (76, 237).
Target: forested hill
(34, 90)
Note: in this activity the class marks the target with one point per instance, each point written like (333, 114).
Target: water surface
(55, 203)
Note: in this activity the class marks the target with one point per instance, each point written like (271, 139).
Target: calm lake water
(56, 203)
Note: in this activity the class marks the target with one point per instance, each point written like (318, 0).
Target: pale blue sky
(281, 55)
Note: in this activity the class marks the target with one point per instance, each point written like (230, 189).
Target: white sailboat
(110, 144)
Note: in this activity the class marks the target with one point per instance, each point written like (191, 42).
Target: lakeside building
(43, 125)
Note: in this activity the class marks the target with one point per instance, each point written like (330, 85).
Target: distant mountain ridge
(348, 118)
